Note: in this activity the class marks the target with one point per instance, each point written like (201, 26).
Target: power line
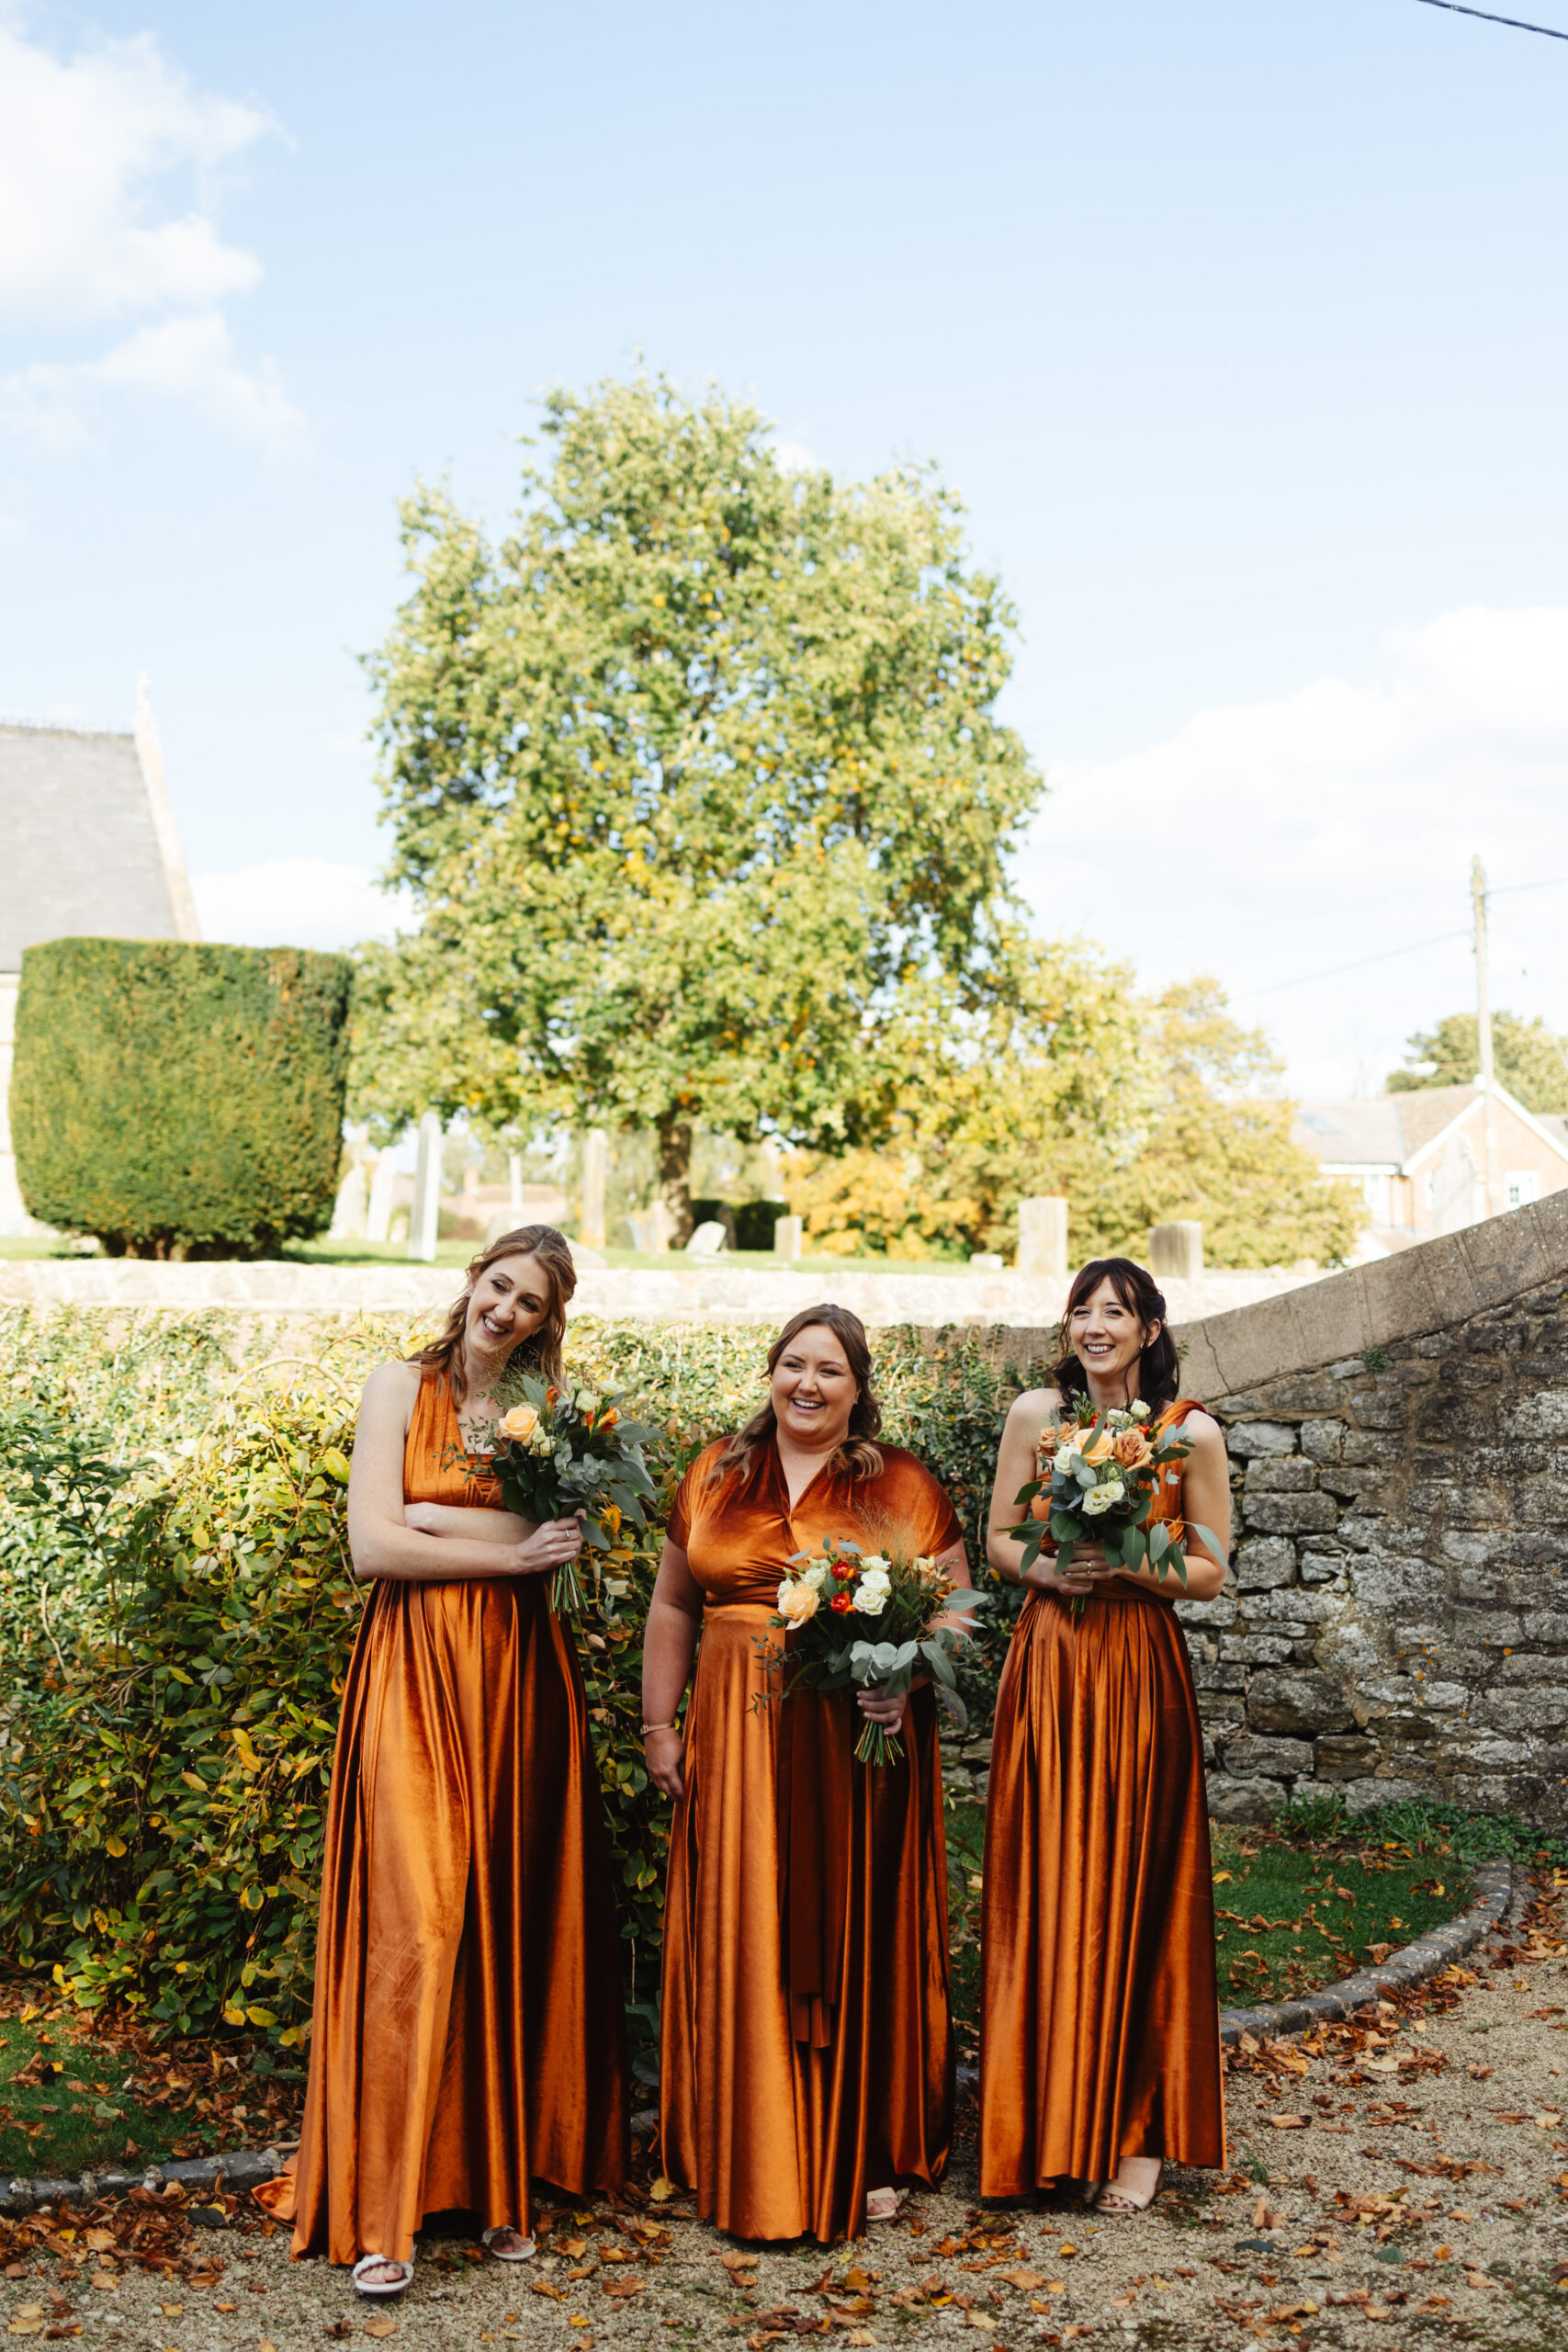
(1360, 965)
(1517, 23)
(1412, 947)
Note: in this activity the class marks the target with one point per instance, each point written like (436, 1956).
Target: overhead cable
(1518, 24)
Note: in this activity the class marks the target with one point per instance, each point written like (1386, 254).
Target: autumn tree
(1528, 1056)
(690, 777)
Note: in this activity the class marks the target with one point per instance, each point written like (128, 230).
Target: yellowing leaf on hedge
(252, 1898)
(335, 1464)
(234, 2017)
(115, 1846)
(261, 2017)
(194, 1781)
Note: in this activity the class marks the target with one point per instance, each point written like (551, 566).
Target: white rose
(587, 1402)
(1101, 1498)
(818, 1577)
(872, 1564)
(1140, 1411)
(871, 1598)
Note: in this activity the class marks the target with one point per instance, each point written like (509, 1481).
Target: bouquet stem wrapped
(902, 1595)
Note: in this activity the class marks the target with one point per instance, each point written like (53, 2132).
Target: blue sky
(1239, 325)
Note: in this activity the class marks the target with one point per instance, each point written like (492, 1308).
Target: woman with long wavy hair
(469, 2030)
(806, 2064)
(1100, 2042)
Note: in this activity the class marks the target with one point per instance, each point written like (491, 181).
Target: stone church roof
(87, 837)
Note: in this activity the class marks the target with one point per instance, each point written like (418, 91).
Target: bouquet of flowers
(563, 1449)
(826, 1599)
(1097, 1475)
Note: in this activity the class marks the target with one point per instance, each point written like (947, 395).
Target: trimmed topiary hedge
(176, 1100)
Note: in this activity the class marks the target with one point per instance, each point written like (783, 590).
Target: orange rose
(520, 1423)
(1098, 1449)
(1040, 1507)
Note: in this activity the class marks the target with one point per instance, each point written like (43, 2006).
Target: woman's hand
(882, 1706)
(1087, 1567)
(550, 1546)
(664, 1752)
(425, 1518)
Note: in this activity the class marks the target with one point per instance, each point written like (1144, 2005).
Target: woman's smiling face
(509, 1301)
(1108, 1339)
(813, 1392)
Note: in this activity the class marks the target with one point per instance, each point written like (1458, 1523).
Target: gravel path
(1404, 2184)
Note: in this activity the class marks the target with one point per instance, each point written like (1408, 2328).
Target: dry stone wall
(1396, 1622)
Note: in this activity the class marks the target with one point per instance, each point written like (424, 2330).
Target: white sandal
(900, 2197)
(382, 2286)
(524, 2253)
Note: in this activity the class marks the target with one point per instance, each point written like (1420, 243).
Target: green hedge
(175, 1615)
(180, 1101)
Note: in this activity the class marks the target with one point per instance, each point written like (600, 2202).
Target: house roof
(89, 845)
(1394, 1131)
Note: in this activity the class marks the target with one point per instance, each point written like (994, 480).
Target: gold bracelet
(647, 1727)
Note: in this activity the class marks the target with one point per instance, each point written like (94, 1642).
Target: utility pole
(1483, 1033)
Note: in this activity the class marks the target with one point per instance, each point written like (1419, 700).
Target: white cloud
(1271, 842)
(107, 170)
(297, 902)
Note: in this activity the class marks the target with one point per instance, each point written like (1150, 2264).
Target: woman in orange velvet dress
(1100, 2044)
(806, 2064)
(468, 2031)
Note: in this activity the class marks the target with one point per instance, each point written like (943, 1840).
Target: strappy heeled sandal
(366, 2286)
(1120, 2204)
(521, 2252)
(899, 2197)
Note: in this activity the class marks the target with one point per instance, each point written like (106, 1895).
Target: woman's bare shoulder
(1035, 1405)
(394, 1387)
(1203, 1431)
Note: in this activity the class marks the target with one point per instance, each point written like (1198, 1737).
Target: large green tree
(690, 777)
(1528, 1057)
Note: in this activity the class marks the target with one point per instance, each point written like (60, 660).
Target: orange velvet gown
(469, 2030)
(807, 2047)
(1101, 2022)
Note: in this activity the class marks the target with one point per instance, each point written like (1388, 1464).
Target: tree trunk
(674, 1176)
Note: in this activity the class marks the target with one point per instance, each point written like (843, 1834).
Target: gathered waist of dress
(761, 1605)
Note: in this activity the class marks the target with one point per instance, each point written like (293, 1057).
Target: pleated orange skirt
(469, 2030)
(1100, 2024)
(777, 2135)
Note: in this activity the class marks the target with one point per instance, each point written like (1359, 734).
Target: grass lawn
(72, 2094)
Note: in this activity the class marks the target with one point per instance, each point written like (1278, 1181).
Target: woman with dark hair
(469, 2030)
(1099, 2046)
(807, 2063)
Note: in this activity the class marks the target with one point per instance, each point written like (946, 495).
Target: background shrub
(176, 1613)
(179, 1100)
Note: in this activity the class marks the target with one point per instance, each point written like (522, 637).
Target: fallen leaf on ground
(383, 2326)
(1022, 2279)
(662, 2190)
(1289, 2123)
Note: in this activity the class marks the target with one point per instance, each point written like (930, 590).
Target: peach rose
(1131, 1449)
(797, 1602)
(1098, 1449)
(520, 1423)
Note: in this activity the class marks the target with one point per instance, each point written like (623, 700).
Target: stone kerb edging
(241, 2169)
(1494, 1883)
